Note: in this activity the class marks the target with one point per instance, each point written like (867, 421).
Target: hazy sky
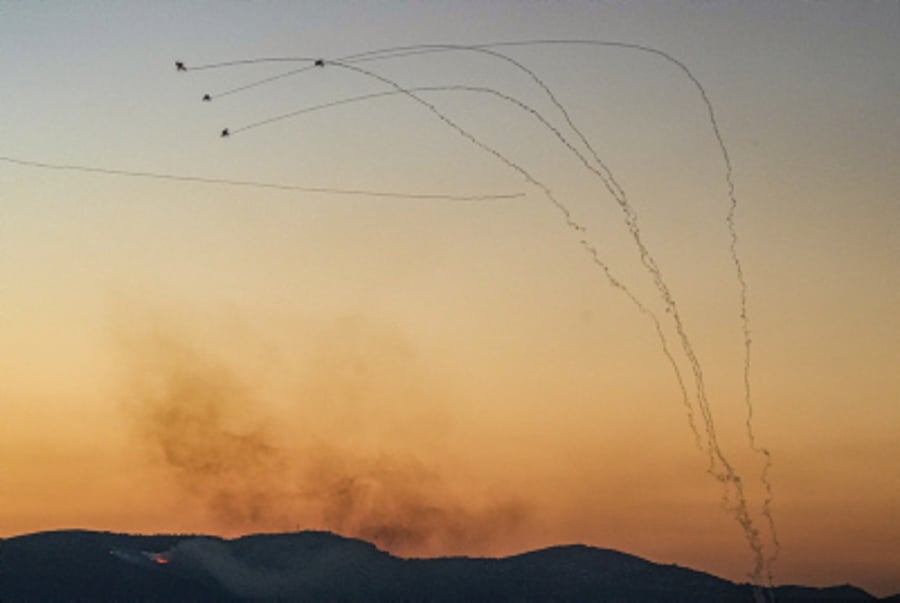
(448, 376)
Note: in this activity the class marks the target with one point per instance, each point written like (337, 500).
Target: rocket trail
(251, 183)
(592, 251)
(727, 475)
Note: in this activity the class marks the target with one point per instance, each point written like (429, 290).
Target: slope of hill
(319, 566)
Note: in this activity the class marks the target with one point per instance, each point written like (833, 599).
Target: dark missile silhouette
(179, 66)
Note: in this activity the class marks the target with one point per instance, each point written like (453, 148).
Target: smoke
(228, 450)
(198, 421)
(281, 568)
(403, 506)
(216, 558)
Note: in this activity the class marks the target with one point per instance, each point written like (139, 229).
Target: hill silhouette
(320, 566)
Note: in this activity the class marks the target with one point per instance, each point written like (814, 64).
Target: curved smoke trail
(537, 115)
(250, 183)
(729, 476)
(607, 178)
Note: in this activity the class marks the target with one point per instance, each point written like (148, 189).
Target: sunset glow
(382, 327)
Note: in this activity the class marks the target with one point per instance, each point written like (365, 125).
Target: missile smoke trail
(610, 184)
(595, 257)
(399, 52)
(251, 183)
(631, 218)
(615, 282)
(729, 477)
(618, 193)
(735, 257)
(607, 178)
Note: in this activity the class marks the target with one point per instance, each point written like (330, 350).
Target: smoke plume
(228, 451)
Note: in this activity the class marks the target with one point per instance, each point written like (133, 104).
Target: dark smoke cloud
(404, 506)
(250, 469)
(199, 422)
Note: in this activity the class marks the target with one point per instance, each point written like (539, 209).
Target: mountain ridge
(84, 565)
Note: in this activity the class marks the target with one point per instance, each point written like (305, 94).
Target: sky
(448, 376)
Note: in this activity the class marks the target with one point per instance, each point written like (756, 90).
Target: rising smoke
(252, 467)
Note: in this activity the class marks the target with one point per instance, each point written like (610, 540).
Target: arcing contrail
(606, 176)
(631, 218)
(727, 476)
(735, 257)
(618, 193)
(610, 184)
(249, 183)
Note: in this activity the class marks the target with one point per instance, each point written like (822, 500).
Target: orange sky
(454, 377)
